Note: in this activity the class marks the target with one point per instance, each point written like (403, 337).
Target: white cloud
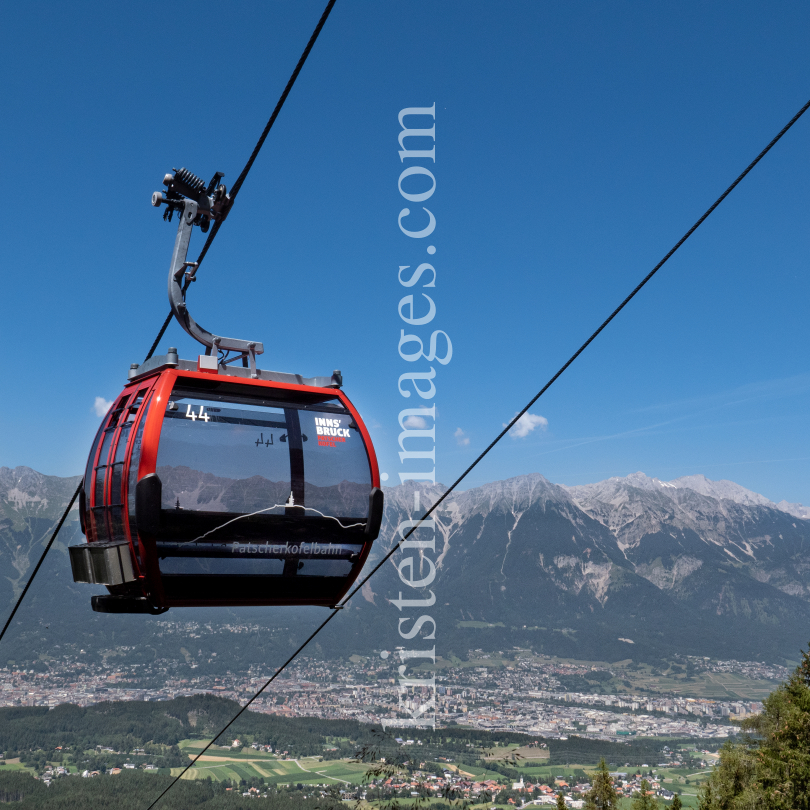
(101, 406)
(415, 422)
(461, 439)
(526, 424)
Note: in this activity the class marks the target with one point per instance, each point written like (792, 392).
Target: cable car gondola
(210, 483)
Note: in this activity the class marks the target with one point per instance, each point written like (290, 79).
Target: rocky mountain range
(627, 567)
(669, 530)
(30, 506)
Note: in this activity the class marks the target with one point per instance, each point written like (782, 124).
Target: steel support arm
(177, 273)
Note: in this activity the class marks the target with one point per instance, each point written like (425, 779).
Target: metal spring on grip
(185, 176)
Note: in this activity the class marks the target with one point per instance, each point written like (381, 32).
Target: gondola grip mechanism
(198, 206)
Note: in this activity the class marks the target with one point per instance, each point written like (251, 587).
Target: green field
(546, 773)
(193, 747)
(223, 763)
(480, 774)
(713, 685)
(634, 678)
(15, 765)
(524, 754)
(220, 763)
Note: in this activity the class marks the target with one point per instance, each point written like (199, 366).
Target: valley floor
(515, 690)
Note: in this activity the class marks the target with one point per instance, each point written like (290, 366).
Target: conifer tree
(732, 785)
(560, 801)
(707, 797)
(676, 803)
(643, 800)
(603, 794)
(772, 770)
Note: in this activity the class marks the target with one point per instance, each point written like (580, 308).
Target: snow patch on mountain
(795, 509)
(616, 492)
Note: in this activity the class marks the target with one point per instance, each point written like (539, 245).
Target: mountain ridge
(719, 490)
(689, 566)
(677, 566)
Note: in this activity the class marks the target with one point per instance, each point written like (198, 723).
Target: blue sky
(575, 144)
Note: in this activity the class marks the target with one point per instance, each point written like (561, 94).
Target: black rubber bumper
(124, 604)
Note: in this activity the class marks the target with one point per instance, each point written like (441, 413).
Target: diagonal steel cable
(489, 447)
(214, 230)
(253, 155)
(41, 560)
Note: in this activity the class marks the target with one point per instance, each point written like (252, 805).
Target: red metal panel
(375, 482)
(137, 550)
(154, 422)
(149, 451)
(372, 456)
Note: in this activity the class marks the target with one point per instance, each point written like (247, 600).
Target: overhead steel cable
(489, 447)
(214, 230)
(253, 155)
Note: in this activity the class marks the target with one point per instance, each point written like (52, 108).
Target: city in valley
(514, 690)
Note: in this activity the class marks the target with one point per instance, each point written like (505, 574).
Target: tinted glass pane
(118, 465)
(101, 468)
(134, 462)
(121, 448)
(115, 484)
(100, 524)
(217, 456)
(132, 480)
(202, 566)
(119, 409)
(258, 559)
(336, 468)
(88, 475)
(99, 497)
(116, 518)
(132, 412)
(88, 480)
(228, 461)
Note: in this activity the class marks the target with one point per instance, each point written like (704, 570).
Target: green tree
(770, 770)
(676, 803)
(733, 786)
(644, 800)
(603, 795)
(560, 801)
(783, 728)
(708, 799)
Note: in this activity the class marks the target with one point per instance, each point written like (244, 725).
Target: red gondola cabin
(208, 487)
